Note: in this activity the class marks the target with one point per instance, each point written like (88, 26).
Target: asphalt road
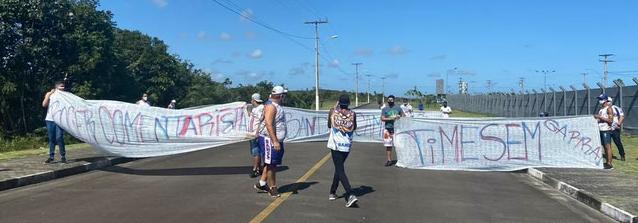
(213, 186)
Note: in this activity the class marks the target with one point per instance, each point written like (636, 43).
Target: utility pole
(356, 79)
(521, 83)
(383, 89)
(605, 61)
(489, 86)
(368, 75)
(545, 76)
(316, 23)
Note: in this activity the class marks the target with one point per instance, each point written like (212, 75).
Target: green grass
(42, 151)
(630, 166)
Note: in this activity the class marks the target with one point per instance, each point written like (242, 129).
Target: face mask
(602, 102)
(391, 103)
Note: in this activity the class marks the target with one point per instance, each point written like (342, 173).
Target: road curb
(584, 197)
(60, 173)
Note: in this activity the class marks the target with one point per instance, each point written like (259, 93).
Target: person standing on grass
(389, 115)
(616, 125)
(55, 133)
(271, 141)
(605, 119)
(445, 110)
(257, 114)
(342, 123)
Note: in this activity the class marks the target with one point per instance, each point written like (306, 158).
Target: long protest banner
(130, 130)
(498, 143)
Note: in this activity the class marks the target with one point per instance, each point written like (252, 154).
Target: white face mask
(602, 102)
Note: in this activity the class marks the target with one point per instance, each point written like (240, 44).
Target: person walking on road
(54, 132)
(389, 115)
(271, 141)
(605, 119)
(342, 123)
(257, 114)
(445, 110)
(619, 119)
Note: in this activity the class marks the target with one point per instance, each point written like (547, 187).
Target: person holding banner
(342, 123)
(389, 114)
(55, 133)
(407, 108)
(257, 114)
(605, 118)
(271, 141)
(619, 119)
(445, 110)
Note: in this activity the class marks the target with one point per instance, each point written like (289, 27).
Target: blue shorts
(269, 155)
(254, 147)
(605, 137)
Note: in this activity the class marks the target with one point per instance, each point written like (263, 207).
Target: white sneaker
(332, 197)
(351, 201)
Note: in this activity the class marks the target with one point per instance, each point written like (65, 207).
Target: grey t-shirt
(389, 112)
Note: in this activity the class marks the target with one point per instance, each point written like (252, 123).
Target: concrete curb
(55, 174)
(584, 197)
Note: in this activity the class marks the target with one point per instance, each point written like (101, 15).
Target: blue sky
(410, 42)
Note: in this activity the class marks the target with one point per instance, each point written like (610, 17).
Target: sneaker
(49, 160)
(608, 166)
(332, 197)
(261, 189)
(388, 163)
(273, 192)
(63, 160)
(254, 173)
(351, 201)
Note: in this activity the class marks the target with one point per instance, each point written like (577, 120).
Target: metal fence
(555, 102)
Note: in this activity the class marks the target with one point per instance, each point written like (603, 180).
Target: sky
(409, 43)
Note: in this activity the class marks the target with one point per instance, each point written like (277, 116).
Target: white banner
(129, 130)
(498, 143)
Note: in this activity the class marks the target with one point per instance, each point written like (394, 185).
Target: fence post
(575, 99)
(553, 101)
(564, 100)
(620, 85)
(588, 98)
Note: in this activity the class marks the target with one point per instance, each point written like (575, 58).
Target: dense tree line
(43, 41)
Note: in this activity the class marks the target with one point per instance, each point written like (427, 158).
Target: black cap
(344, 100)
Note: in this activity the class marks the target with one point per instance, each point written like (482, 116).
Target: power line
(237, 10)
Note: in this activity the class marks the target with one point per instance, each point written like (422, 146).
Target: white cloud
(203, 35)
(160, 3)
(246, 14)
(250, 35)
(439, 57)
(296, 71)
(256, 54)
(222, 61)
(398, 50)
(225, 36)
(366, 52)
(434, 74)
(254, 76)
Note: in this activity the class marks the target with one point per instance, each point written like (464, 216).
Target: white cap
(278, 90)
(609, 99)
(173, 101)
(257, 97)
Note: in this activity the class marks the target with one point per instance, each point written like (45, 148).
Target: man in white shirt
(445, 110)
(407, 108)
(256, 114)
(619, 119)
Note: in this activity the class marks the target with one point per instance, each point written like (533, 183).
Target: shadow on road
(295, 187)
(362, 190)
(222, 170)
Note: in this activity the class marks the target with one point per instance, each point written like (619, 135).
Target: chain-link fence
(555, 102)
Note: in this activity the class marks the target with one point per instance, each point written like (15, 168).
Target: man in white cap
(256, 114)
(272, 132)
(605, 119)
